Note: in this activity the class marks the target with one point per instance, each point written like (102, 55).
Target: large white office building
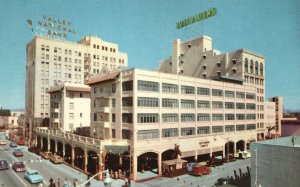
(51, 62)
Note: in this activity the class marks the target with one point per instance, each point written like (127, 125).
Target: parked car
(221, 181)
(19, 167)
(4, 165)
(242, 154)
(229, 158)
(2, 142)
(21, 141)
(200, 170)
(13, 144)
(56, 159)
(35, 150)
(33, 176)
(215, 161)
(46, 155)
(18, 153)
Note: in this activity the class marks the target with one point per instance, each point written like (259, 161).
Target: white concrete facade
(138, 105)
(69, 107)
(51, 62)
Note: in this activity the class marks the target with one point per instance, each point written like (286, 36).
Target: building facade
(69, 107)
(162, 110)
(51, 62)
(276, 162)
(278, 115)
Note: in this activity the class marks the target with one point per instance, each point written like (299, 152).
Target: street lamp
(107, 181)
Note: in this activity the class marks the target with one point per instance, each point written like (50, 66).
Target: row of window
(188, 131)
(173, 88)
(250, 67)
(185, 103)
(188, 117)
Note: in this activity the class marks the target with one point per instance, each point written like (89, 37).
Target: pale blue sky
(145, 29)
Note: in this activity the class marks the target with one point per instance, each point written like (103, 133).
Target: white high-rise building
(51, 62)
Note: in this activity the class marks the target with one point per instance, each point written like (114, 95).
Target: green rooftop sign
(196, 18)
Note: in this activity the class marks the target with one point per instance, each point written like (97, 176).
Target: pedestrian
(58, 182)
(51, 181)
(88, 184)
(129, 181)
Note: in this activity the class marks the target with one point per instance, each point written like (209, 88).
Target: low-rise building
(69, 107)
(276, 162)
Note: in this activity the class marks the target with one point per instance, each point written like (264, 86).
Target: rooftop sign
(196, 18)
(52, 27)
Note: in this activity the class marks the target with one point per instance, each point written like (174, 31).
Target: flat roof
(290, 141)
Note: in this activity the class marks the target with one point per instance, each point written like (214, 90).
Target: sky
(145, 30)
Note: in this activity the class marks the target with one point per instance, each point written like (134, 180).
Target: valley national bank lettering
(54, 27)
(196, 18)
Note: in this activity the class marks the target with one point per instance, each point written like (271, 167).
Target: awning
(116, 149)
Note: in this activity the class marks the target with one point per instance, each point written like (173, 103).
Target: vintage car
(21, 141)
(229, 158)
(215, 161)
(2, 142)
(242, 154)
(13, 144)
(19, 167)
(56, 159)
(18, 153)
(33, 176)
(34, 149)
(200, 170)
(46, 155)
(4, 165)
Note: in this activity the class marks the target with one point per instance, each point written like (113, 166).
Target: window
(229, 128)
(240, 105)
(170, 118)
(203, 104)
(80, 114)
(187, 131)
(203, 117)
(229, 94)
(113, 133)
(71, 116)
(246, 66)
(216, 92)
(173, 103)
(240, 127)
(147, 134)
(71, 106)
(251, 66)
(113, 88)
(113, 102)
(127, 101)
(217, 117)
(127, 86)
(187, 117)
(148, 102)
(250, 96)
(251, 116)
(240, 95)
(229, 105)
(216, 129)
(126, 117)
(203, 91)
(187, 89)
(229, 116)
(261, 69)
(169, 88)
(71, 95)
(148, 86)
(203, 130)
(125, 134)
(240, 116)
(148, 118)
(250, 106)
(172, 132)
(217, 104)
(81, 94)
(251, 126)
(256, 67)
(113, 118)
(187, 103)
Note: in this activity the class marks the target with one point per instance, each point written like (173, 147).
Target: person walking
(58, 182)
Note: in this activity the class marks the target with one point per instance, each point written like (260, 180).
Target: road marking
(19, 178)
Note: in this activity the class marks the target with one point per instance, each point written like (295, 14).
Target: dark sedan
(18, 153)
(3, 165)
(19, 167)
(215, 162)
